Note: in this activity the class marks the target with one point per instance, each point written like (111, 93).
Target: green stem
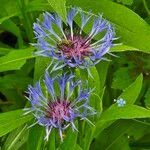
(26, 20)
(146, 7)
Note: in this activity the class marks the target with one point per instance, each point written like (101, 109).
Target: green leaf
(147, 98)
(131, 93)
(16, 138)
(122, 48)
(124, 19)
(10, 26)
(60, 7)
(113, 137)
(69, 142)
(11, 120)
(8, 9)
(141, 126)
(27, 20)
(37, 6)
(94, 80)
(127, 2)
(15, 98)
(4, 51)
(109, 137)
(126, 112)
(100, 126)
(36, 138)
(41, 63)
(11, 81)
(87, 136)
(77, 147)
(96, 103)
(51, 141)
(114, 113)
(15, 59)
(121, 78)
(102, 69)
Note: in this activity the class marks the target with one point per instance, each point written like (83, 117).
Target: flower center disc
(76, 47)
(59, 111)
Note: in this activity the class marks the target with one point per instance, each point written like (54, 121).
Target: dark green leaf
(147, 98)
(8, 9)
(131, 93)
(10, 26)
(127, 2)
(121, 78)
(102, 69)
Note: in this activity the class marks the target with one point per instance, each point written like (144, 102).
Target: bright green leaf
(93, 80)
(60, 7)
(41, 63)
(37, 6)
(36, 138)
(69, 142)
(11, 120)
(4, 51)
(126, 112)
(15, 59)
(16, 138)
(52, 142)
(102, 69)
(122, 48)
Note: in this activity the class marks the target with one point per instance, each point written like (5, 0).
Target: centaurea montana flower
(62, 105)
(69, 44)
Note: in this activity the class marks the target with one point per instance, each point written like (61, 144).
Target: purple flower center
(59, 111)
(77, 46)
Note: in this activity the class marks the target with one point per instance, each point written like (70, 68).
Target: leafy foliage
(126, 76)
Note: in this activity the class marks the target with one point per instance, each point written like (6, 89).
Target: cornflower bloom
(68, 43)
(61, 106)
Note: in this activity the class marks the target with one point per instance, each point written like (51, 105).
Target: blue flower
(69, 44)
(59, 107)
(121, 102)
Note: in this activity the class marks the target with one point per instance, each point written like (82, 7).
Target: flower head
(121, 102)
(69, 44)
(61, 107)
